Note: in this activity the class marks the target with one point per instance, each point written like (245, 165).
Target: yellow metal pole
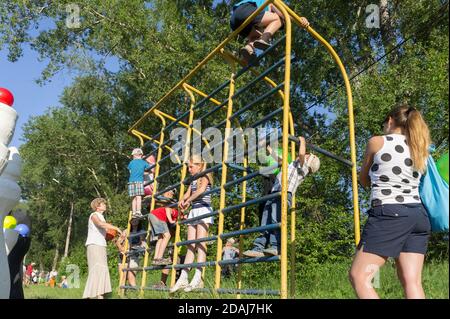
(203, 62)
(285, 143)
(350, 118)
(182, 187)
(244, 187)
(152, 205)
(141, 140)
(272, 83)
(293, 219)
(170, 117)
(157, 142)
(242, 225)
(195, 90)
(122, 277)
(223, 179)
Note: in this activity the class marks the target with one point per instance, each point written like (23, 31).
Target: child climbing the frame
(148, 176)
(162, 219)
(269, 242)
(137, 167)
(201, 205)
(270, 20)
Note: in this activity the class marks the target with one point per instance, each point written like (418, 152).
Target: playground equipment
(10, 167)
(233, 174)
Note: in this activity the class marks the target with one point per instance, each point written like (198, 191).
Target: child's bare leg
(190, 254)
(202, 231)
(254, 35)
(248, 51)
(274, 9)
(131, 278)
(158, 247)
(272, 23)
(138, 203)
(164, 275)
(164, 242)
(133, 204)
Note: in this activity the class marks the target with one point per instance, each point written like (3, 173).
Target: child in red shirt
(161, 220)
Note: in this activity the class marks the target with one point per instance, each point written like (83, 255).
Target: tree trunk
(69, 231)
(55, 260)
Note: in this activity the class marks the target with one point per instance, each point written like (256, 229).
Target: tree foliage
(83, 144)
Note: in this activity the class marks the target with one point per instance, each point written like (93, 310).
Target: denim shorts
(158, 226)
(395, 228)
(240, 14)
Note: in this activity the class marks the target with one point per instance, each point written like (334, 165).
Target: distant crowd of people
(49, 278)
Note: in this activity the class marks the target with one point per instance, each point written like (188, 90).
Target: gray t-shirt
(229, 253)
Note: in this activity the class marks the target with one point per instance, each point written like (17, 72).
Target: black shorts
(395, 228)
(241, 13)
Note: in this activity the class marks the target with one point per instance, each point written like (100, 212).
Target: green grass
(330, 281)
(327, 281)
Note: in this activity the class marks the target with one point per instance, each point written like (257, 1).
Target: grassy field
(325, 281)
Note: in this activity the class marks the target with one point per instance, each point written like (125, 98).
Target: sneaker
(198, 284)
(180, 284)
(253, 253)
(271, 251)
(248, 54)
(261, 44)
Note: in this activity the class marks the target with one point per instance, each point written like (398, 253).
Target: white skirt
(199, 212)
(98, 282)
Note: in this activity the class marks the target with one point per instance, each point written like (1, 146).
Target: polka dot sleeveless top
(393, 178)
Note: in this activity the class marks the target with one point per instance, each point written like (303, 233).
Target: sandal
(261, 44)
(248, 54)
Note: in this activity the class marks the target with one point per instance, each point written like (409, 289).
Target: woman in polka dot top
(398, 224)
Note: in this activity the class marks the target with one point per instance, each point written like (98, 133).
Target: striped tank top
(393, 178)
(202, 200)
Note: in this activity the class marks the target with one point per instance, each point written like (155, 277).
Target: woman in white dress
(98, 282)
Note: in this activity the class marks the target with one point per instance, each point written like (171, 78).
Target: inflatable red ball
(110, 234)
(6, 97)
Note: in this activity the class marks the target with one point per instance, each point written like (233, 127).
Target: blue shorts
(395, 228)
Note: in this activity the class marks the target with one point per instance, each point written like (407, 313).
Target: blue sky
(30, 99)
(20, 78)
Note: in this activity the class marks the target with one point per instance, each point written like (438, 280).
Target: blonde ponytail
(418, 137)
(417, 134)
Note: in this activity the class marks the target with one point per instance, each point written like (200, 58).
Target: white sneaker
(180, 284)
(198, 284)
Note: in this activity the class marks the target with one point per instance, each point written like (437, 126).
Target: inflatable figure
(10, 167)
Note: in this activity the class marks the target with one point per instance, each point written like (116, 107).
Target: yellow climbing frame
(287, 129)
